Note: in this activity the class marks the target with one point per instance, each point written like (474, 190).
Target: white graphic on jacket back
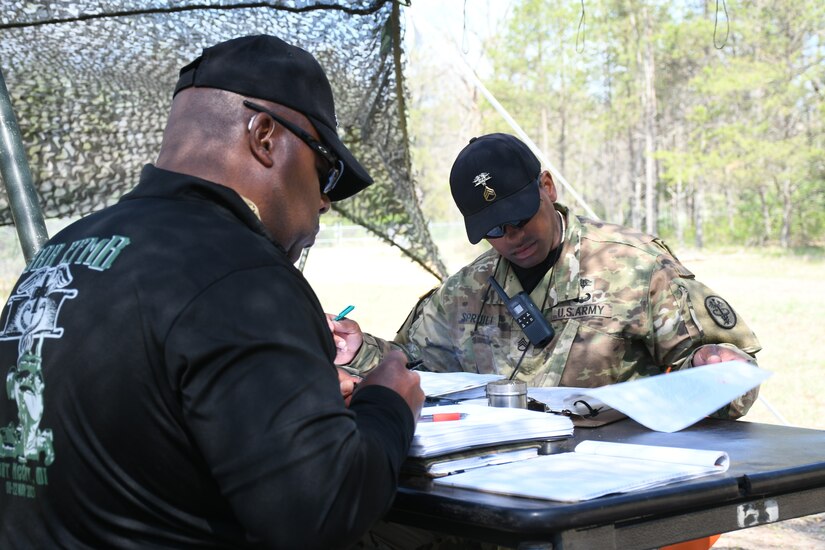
(32, 317)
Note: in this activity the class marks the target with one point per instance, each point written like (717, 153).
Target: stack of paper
(488, 458)
(484, 426)
(594, 469)
(665, 403)
(460, 461)
(456, 385)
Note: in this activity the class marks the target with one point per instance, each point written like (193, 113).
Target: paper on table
(487, 458)
(484, 426)
(594, 469)
(456, 385)
(671, 402)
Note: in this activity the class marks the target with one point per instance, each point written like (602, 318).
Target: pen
(412, 364)
(442, 417)
(343, 313)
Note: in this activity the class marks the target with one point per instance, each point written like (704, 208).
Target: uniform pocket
(593, 359)
(488, 347)
(547, 368)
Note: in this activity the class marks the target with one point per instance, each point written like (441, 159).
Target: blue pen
(344, 313)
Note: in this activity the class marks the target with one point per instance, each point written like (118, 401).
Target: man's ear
(548, 184)
(261, 138)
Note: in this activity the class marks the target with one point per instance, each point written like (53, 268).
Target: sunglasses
(499, 231)
(337, 165)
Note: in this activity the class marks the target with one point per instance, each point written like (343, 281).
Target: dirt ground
(807, 533)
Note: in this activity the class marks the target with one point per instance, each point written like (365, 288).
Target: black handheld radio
(527, 315)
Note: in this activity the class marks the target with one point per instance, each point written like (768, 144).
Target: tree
(675, 117)
(538, 81)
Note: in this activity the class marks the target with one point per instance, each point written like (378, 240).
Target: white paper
(451, 384)
(675, 455)
(484, 426)
(674, 401)
(493, 458)
(583, 475)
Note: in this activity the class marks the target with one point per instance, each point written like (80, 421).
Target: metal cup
(507, 393)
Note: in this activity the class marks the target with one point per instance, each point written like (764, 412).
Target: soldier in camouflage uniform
(620, 303)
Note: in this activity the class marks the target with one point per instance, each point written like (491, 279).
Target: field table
(776, 473)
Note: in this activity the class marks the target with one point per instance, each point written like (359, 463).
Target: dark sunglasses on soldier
(499, 231)
(328, 180)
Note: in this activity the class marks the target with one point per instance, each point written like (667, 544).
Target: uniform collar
(159, 183)
(252, 206)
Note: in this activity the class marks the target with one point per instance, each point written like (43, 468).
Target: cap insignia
(489, 192)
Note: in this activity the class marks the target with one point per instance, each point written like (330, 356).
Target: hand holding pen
(346, 334)
(343, 313)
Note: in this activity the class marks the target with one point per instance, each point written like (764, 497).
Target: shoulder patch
(720, 311)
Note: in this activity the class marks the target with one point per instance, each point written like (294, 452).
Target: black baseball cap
(266, 67)
(493, 181)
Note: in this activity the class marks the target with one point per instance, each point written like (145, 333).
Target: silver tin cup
(507, 393)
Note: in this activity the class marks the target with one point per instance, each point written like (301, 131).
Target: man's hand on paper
(347, 336)
(714, 353)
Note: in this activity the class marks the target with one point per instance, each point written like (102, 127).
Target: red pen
(442, 417)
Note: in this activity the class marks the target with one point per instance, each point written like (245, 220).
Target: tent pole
(14, 169)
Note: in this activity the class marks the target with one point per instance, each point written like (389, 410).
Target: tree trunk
(787, 214)
(698, 208)
(544, 134)
(635, 174)
(680, 207)
(649, 112)
(679, 212)
(545, 147)
(766, 215)
(562, 143)
(730, 209)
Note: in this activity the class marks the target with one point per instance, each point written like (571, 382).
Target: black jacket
(184, 368)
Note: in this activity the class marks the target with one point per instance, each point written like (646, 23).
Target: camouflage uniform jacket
(621, 304)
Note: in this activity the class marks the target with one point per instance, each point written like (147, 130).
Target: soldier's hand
(347, 336)
(393, 373)
(714, 353)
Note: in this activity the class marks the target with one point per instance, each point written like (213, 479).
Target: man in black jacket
(170, 373)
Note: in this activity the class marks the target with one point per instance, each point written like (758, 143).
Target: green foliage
(539, 76)
(739, 134)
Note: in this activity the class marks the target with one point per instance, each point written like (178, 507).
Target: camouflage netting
(91, 82)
